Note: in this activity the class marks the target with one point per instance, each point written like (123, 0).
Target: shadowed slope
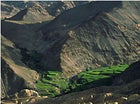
(130, 74)
(75, 16)
(14, 72)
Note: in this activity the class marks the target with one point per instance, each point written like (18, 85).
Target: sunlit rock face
(54, 8)
(33, 14)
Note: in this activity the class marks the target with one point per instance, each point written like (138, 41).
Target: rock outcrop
(21, 97)
(27, 93)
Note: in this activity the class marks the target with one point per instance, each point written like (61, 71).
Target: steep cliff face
(104, 36)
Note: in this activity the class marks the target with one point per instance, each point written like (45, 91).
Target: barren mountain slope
(7, 11)
(15, 74)
(35, 13)
(84, 37)
(54, 8)
(106, 33)
(75, 41)
(23, 35)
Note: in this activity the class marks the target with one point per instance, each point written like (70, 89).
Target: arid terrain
(70, 52)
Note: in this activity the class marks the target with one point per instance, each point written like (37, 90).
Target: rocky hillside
(35, 13)
(9, 80)
(105, 35)
(81, 36)
(54, 8)
(74, 42)
(15, 74)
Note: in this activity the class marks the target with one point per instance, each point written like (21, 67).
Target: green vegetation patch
(53, 83)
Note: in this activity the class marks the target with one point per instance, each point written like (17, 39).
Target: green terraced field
(53, 83)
